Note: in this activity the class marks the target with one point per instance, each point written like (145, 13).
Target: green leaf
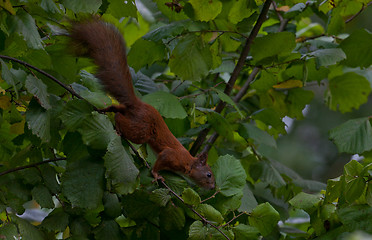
(270, 118)
(74, 113)
(336, 24)
(305, 201)
(8, 230)
(297, 100)
(42, 196)
(228, 204)
(369, 194)
(354, 189)
(348, 91)
(86, 6)
(357, 217)
(360, 54)
(138, 205)
(7, 75)
(353, 168)
(49, 6)
(240, 9)
(327, 57)
(98, 99)
(48, 174)
(166, 31)
(198, 231)
(248, 201)
(191, 59)
(270, 175)
(295, 10)
(353, 136)
(97, 131)
(243, 231)
(191, 197)
(175, 182)
(260, 137)
(56, 221)
(167, 104)
(170, 12)
(82, 184)
(172, 218)
(206, 10)
(160, 196)
(227, 99)
(112, 205)
(333, 190)
(120, 169)
(38, 120)
(221, 125)
(144, 53)
(121, 9)
(230, 175)
(267, 49)
(265, 218)
(39, 89)
(209, 213)
(265, 82)
(108, 229)
(27, 230)
(24, 24)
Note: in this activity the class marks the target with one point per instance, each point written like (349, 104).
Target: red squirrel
(135, 120)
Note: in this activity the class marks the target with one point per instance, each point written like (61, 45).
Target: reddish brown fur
(135, 120)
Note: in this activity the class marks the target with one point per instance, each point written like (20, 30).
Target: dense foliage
(223, 74)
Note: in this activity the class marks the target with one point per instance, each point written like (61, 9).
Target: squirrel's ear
(202, 158)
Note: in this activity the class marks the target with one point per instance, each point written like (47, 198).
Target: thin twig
(203, 31)
(31, 165)
(246, 85)
(357, 14)
(194, 211)
(213, 196)
(202, 91)
(283, 21)
(233, 219)
(235, 74)
(44, 73)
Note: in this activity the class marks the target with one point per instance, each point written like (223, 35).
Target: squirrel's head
(201, 173)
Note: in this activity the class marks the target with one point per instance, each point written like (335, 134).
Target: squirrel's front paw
(157, 177)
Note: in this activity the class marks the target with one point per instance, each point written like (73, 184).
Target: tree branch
(235, 74)
(69, 89)
(30, 166)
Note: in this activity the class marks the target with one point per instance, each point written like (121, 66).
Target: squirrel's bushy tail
(105, 45)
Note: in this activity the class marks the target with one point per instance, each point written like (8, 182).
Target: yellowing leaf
(21, 109)
(6, 4)
(283, 8)
(289, 84)
(5, 102)
(18, 128)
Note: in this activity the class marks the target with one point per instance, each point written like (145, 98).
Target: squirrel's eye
(209, 175)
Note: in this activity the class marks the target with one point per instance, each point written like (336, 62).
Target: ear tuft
(202, 158)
